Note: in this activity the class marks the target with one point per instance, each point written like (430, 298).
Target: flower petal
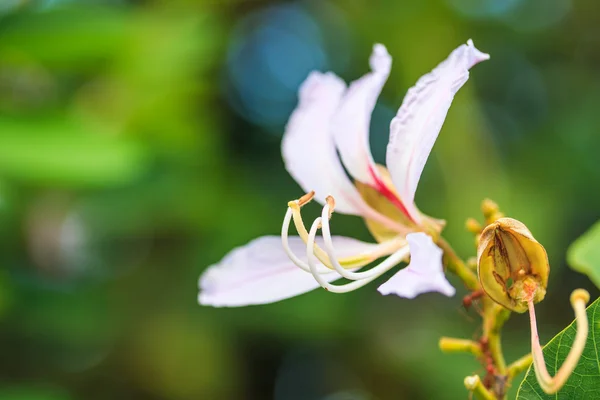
(260, 272)
(352, 120)
(308, 149)
(418, 122)
(425, 273)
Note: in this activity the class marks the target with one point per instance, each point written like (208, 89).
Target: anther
(286, 246)
(331, 203)
(473, 226)
(295, 207)
(306, 198)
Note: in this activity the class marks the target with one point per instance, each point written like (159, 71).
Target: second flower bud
(512, 266)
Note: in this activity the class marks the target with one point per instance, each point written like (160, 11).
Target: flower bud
(512, 266)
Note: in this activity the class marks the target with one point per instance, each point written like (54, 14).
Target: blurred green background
(139, 143)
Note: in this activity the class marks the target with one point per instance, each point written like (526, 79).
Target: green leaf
(60, 152)
(33, 392)
(73, 38)
(584, 383)
(584, 254)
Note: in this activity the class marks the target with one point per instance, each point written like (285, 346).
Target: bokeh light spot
(537, 15)
(482, 8)
(272, 51)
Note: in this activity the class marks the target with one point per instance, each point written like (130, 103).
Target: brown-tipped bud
(489, 208)
(491, 211)
(473, 226)
(472, 263)
(512, 266)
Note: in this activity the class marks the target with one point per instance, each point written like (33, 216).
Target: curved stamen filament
(390, 262)
(294, 206)
(368, 212)
(551, 385)
(356, 261)
(373, 272)
(286, 246)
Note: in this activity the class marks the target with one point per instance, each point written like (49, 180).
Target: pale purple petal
(353, 117)
(308, 149)
(418, 122)
(425, 273)
(260, 272)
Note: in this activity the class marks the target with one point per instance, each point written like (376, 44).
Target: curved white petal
(260, 272)
(308, 149)
(352, 120)
(425, 273)
(418, 122)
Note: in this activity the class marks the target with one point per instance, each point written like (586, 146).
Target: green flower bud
(512, 266)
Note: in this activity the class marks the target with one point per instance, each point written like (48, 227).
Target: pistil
(551, 385)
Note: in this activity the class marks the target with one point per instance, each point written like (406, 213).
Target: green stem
(457, 266)
(474, 384)
(494, 318)
(454, 345)
(519, 366)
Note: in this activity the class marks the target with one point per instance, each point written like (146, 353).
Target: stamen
(302, 232)
(551, 385)
(330, 203)
(286, 246)
(348, 287)
(373, 272)
(357, 261)
(307, 198)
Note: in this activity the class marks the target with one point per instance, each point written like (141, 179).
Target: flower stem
(454, 345)
(494, 318)
(457, 266)
(474, 384)
(520, 365)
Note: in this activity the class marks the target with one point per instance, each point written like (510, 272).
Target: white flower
(332, 119)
